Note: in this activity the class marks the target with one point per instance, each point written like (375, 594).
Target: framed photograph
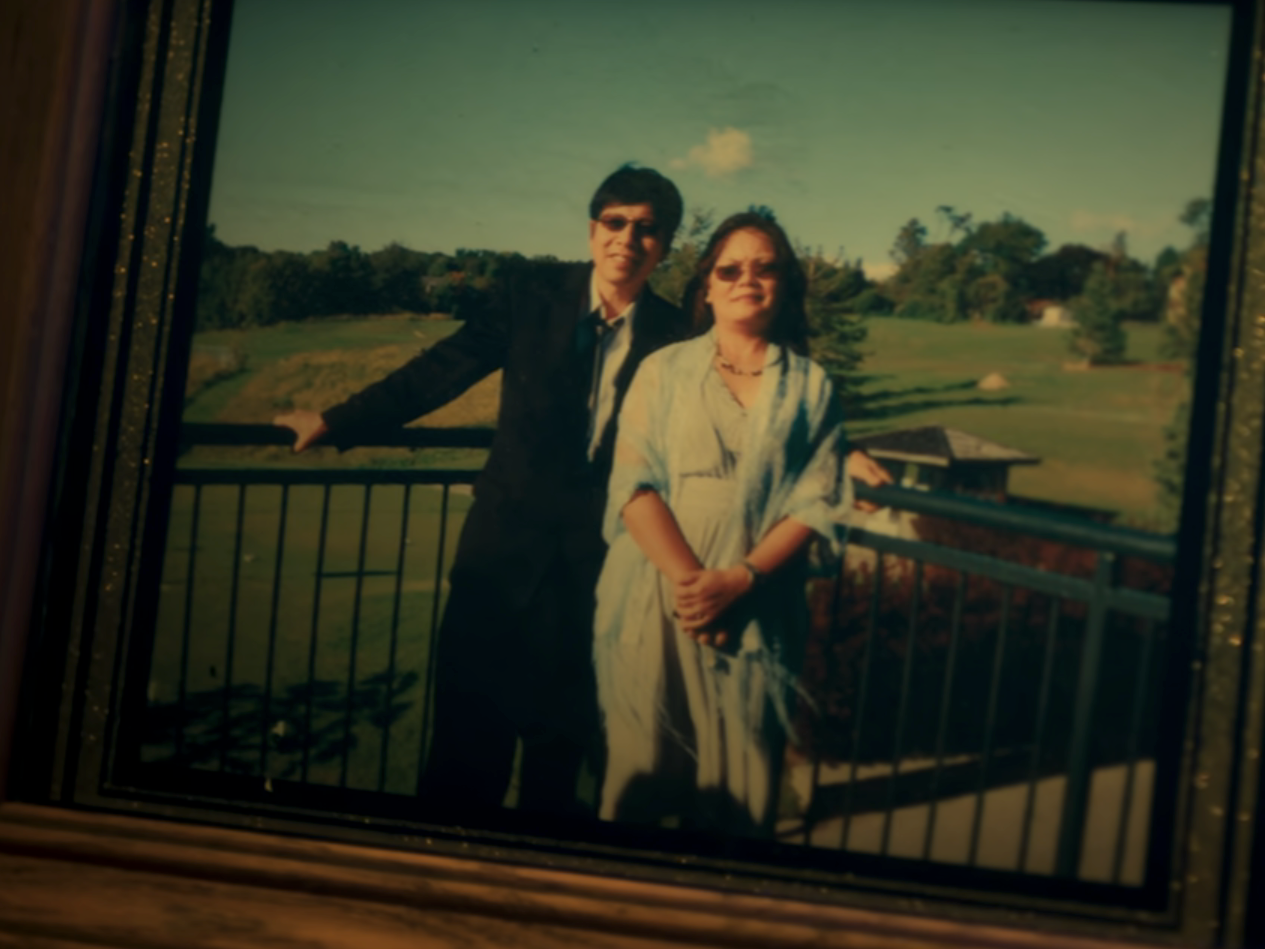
(886, 546)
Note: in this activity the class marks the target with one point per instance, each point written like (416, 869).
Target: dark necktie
(591, 335)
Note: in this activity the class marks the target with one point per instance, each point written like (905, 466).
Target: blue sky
(488, 123)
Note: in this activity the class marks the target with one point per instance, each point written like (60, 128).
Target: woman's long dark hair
(790, 324)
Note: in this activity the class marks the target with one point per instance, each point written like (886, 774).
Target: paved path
(1001, 822)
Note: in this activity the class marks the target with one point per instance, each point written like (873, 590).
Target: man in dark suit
(514, 652)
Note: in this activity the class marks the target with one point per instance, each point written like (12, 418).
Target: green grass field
(202, 619)
(1098, 432)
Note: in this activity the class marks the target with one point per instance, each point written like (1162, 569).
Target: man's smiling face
(627, 244)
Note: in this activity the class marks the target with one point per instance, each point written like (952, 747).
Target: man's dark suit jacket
(539, 500)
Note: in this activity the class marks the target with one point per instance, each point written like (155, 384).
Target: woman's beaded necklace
(730, 367)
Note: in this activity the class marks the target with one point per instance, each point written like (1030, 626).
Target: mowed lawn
(1097, 432)
(218, 623)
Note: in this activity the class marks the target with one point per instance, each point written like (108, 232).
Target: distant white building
(1055, 316)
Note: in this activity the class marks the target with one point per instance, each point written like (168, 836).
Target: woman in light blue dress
(729, 463)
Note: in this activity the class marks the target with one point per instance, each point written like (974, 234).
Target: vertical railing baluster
(1131, 751)
(876, 594)
(234, 583)
(272, 632)
(434, 635)
(1076, 796)
(903, 707)
(355, 636)
(316, 620)
(182, 689)
(942, 728)
(395, 638)
(1043, 705)
(836, 598)
(990, 724)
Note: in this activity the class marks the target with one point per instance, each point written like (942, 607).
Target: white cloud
(727, 150)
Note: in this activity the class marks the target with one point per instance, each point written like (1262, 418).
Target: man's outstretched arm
(428, 381)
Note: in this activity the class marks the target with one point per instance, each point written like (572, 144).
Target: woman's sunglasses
(732, 272)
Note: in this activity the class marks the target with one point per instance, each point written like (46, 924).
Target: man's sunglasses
(615, 223)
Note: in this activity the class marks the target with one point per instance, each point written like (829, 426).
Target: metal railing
(289, 648)
(1090, 612)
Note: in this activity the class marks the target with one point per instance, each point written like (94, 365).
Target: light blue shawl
(791, 466)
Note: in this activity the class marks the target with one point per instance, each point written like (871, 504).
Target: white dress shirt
(610, 352)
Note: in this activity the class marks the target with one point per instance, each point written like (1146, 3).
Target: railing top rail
(1158, 548)
(240, 436)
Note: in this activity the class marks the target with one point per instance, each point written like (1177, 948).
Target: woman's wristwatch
(758, 576)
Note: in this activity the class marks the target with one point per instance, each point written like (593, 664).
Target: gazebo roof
(937, 445)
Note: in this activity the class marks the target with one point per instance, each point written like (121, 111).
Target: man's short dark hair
(629, 184)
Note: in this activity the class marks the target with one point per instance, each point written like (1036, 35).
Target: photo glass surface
(1003, 213)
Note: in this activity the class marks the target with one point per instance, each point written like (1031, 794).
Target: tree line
(242, 287)
(997, 271)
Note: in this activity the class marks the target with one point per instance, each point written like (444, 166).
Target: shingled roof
(937, 445)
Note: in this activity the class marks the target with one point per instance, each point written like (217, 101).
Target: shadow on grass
(885, 394)
(228, 731)
(893, 403)
(870, 411)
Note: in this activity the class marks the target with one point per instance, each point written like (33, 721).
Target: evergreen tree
(1181, 341)
(671, 276)
(1170, 468)
(1098, 336)
(836, 329)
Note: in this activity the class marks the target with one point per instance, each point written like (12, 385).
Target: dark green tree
(1186, 284)
(916, 287)
(994, 299)
(1007, 246)
(671, 276)
(837, 329)
(1098, 337)
(277, 287)
(1062, 274)
(220, 283)
(910, 242)
(1170, 468)
(397, 279)
(1197, 215)
(342, 282)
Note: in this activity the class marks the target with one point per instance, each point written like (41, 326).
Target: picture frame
(112, 492)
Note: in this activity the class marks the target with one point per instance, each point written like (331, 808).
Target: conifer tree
(1098, 336)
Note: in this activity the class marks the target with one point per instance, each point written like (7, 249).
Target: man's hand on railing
(865, 469)
(307, 427)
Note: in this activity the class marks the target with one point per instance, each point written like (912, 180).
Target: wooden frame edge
(269, 886)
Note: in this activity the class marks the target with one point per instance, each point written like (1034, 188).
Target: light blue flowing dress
(691, 729)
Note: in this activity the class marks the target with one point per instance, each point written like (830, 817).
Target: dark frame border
(174, 105)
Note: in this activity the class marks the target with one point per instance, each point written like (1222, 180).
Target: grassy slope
(312, 366)
(193, 625)
(1097, 432)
